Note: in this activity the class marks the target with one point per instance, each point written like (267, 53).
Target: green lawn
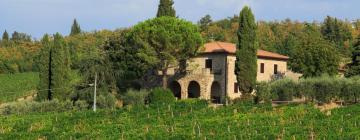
(14, 86)
(187, 121)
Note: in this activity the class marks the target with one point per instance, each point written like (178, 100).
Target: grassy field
(14, 86)
(188, 120)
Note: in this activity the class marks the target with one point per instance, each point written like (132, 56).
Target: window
(236, 88)
(275, 69)
(208, 64)
(262, 68)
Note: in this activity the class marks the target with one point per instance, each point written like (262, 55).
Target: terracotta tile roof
(215, 47)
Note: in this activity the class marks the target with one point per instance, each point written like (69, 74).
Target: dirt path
(327, 107)
(29, 97)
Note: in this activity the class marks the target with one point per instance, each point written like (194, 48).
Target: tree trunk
(355, 99)
(182, 66)
(49, 91)
(164, 78)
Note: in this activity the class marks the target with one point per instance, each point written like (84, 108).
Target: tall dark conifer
(205, 22)
(354, 67)
(246, 59)
(60, 68)
(337, 32)
(75, 28)
(166, 8)
(54, 68)
(5, 36)
(45, 73)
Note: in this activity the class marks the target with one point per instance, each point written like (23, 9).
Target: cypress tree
(5, 36)
(60, 68)
(54, 69)
(166, 8)
(354, 67)
(246, 59)
(15, 36)
(18, 37)
(336, 31)
(45, 74)
(205, 22)
(75, 28)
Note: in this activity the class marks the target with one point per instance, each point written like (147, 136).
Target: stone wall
(266, 76)
(197, 72)
(221, 63)
(269, 68)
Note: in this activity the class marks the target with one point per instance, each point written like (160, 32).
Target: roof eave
(259, 56)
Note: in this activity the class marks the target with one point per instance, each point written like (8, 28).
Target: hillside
(187, 120)
(14, 86)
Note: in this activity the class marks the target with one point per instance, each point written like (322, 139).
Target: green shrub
(283, 90)
(104, 98)
(27, 107)
(161, 96)
(347, 90)
(306, 89)
(80, 105)
(244, 100)
(135, 97)
(356, 88)
(350, 91)
(263, 92)
(324, 88)
(106, 101)
(191, 104)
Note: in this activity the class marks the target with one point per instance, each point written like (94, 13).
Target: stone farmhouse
(211, 74)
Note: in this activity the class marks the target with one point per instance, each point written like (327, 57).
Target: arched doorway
(216, 93)
(194, 90)
(176, 89)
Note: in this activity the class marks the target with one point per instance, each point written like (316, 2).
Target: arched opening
(216, 93)
(176, 89)
(194, 90)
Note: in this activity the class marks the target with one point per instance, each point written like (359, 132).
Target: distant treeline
(19, 52)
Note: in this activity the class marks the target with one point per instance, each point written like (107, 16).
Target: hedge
(161, 96)
(322, 89)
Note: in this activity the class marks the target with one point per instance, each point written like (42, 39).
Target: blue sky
(37, 17)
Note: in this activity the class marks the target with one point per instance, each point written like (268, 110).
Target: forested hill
(19, 53)
(283, 36)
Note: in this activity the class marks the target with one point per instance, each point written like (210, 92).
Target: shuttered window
(262, 68)
(275, 69)
(236, 88)
(208, 64)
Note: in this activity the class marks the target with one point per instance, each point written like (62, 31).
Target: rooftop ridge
(218, 43)
(226, 47)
